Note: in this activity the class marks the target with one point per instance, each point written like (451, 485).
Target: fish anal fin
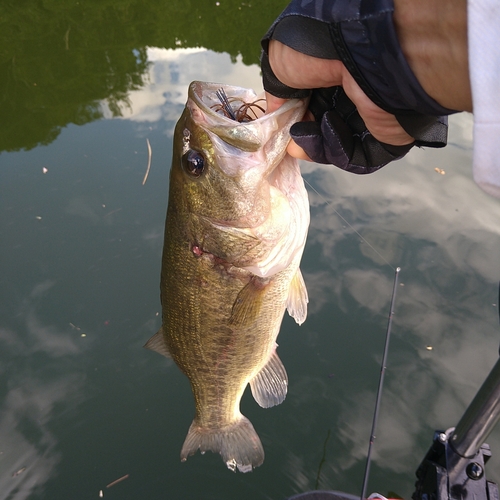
(157, 343)
(270, 385)
(247, 305)
(297, 298)
(238, 444)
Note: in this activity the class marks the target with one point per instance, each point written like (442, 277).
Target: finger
(382, 125)
(293, 149)
(302, 71)
(273, 103)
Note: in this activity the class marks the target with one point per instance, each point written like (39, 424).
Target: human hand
(302, 71)
(367, 107)
(334, 130)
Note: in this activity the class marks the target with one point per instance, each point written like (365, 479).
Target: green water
(83, 86)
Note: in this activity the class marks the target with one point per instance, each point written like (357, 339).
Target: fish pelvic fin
(270, 385)
(157, 343)
(238, 444)
(297, 298)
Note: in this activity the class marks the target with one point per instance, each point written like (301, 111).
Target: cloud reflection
(410, 198)
(28, 446)
(438, 225)
(444, 232)
(171, 71)
(39, 356)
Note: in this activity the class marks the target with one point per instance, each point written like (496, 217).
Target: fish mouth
(206, 96)
(247, 135)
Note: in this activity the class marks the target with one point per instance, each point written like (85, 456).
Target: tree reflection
(59, 59)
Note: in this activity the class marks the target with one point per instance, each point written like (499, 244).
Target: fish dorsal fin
(297, 298)
(270, 385)
(157, 343)
(247, 305)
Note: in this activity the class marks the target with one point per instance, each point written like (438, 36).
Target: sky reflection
(440, 228)
(424, 213)
(29, 447)
(171, 72)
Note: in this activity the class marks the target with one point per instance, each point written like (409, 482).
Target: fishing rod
(454, 466)
(324, 495)
(380, 385)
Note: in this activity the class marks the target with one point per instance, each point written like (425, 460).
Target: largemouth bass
(236, 227)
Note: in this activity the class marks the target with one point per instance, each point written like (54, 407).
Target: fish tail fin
(238, 444)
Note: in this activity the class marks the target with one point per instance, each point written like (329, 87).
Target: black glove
(360, 34)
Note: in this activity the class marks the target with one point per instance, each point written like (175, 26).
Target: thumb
(293, 149)
(273, 102)
(309, 137)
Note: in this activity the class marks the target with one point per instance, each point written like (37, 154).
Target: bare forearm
(433, 37)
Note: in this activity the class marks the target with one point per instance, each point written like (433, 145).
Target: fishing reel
(445, 474)
(454, 466)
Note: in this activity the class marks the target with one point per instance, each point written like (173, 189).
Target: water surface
(83, 404)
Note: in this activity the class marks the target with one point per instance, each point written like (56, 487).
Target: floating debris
(119, 480)
(45, 170)
(20, 471)
(440, 171)
(429, 347)
(149, 163)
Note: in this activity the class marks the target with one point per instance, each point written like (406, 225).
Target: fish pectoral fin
(157, 343)
(270, 385)
(247, 305)
(238, 444)
(297, 298)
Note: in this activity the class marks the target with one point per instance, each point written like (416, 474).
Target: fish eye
(193, 162)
